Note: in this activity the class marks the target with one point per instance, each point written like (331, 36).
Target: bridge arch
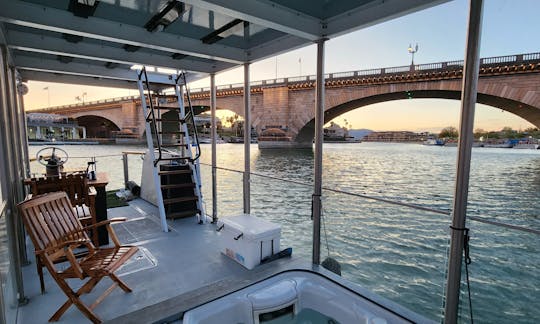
(97, 126)
(521, 109)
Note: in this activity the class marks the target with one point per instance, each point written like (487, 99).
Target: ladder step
(160, 120)
(179, 199)
(174, 145)
(168, 121)
(174, 172)
(179, 185)
(176, 158)
(171, 132)
(183, 213)
(165, 108)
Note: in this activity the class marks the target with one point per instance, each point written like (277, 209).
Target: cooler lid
(251, 226)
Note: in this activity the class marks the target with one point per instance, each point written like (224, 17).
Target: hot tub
(293, 297)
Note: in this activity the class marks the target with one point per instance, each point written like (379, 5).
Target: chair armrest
(111, 231)
(65, 244)
(106, 222)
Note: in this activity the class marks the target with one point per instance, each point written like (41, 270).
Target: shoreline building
(394, 136)
(45, 127)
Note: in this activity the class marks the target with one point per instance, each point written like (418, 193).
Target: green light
(409, 94)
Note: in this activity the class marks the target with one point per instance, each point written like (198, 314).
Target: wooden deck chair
(81, 196)
(56, 231)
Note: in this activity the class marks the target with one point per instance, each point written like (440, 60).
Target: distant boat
(208, 140)
(434, 142)
(275, 138)
(455, 144)
(505, 144)
(527, 144)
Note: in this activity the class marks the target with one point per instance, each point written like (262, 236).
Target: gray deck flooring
(172, 272)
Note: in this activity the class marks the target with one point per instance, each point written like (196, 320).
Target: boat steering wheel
(44, 157)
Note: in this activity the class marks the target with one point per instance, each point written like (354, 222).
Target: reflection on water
(395, 251)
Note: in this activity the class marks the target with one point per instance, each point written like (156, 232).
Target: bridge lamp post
(48, 96)
(81, 98)
(412, 50)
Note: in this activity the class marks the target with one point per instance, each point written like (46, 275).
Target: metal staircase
(174, 148)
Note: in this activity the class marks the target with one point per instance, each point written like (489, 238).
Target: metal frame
(461, 192)
(247, 140)
(213, 126)
(316, 203)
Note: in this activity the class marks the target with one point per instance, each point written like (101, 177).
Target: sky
(509, 27)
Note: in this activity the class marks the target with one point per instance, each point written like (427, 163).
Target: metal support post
(126, 169)
(468, 101)
(316, 203)
(213, 128)
(247, 139)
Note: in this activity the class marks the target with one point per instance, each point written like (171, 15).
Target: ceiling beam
(267, 14)
(90, 70)
(373, 13)
(269, 49)
(31, 42)
(41, 17)
(3, 41)
(31, 75)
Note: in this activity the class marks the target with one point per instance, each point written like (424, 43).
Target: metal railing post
(461, 192)
(126, 169)
(247, 139)
(213, 127)
(317, 183)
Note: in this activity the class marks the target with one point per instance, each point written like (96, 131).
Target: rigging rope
(325, 233)
(437, 211)
(393, 202)
(467, 259)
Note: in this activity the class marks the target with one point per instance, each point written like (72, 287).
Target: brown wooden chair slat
(81, 196)
(75, 184)
(56, 232)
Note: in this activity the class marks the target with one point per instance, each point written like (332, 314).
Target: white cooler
(248, 239)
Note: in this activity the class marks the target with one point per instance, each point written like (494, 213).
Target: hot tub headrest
(280, 293)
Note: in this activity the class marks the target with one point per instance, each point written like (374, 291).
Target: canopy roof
(97, 42)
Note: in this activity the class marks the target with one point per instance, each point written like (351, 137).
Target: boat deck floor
(171, 273)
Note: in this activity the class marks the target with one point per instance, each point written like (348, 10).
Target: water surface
(395, 251)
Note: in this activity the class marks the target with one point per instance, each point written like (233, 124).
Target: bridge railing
(449, 65)
(531, 57)
(456, 64)
(499, 59)
(90, 103)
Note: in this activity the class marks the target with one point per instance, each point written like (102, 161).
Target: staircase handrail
(152, 113)
(192, 116)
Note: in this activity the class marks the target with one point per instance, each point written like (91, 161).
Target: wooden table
(102, 179)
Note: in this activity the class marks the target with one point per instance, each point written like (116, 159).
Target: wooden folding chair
(81, 196)
(56, 231)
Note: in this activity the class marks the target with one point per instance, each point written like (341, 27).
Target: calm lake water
(397, 252)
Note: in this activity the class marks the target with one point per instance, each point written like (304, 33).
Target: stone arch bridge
(511, 83)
